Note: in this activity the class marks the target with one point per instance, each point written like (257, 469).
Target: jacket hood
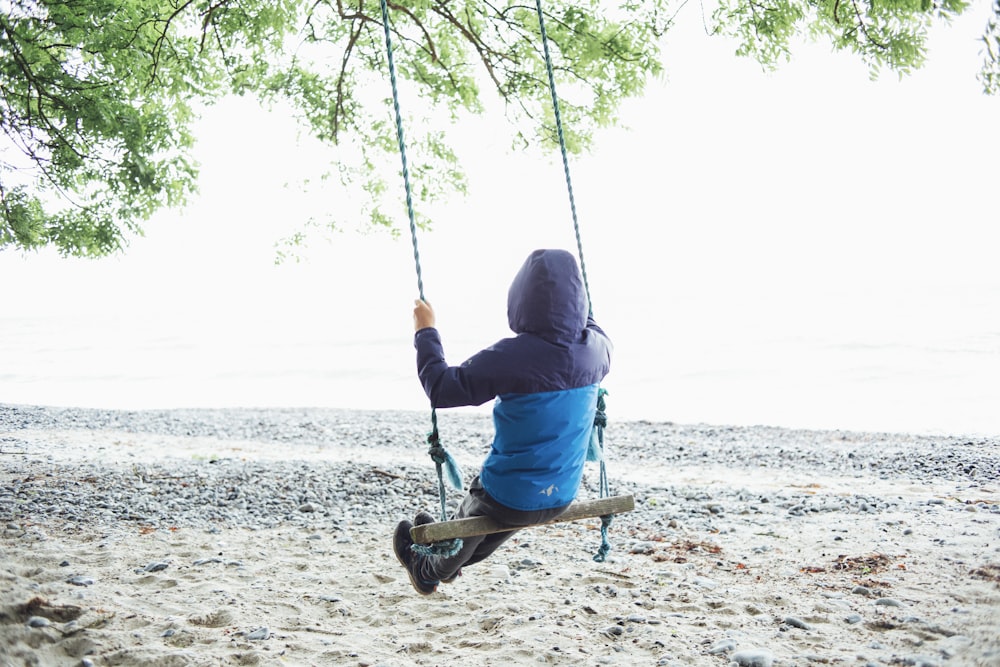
(547, 297)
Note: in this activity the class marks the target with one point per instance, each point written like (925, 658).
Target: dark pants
(477, 548)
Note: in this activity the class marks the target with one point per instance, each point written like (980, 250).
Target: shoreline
(261, 536)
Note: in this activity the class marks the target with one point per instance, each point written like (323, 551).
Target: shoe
(401, 544)
(424, 518)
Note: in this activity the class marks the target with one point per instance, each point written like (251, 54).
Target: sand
(719, 564)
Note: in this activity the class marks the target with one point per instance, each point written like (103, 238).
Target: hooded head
(547, 297)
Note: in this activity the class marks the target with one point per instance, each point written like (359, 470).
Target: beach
(245, 536)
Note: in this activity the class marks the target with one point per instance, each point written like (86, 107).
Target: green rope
(600, 419)
(442, 460)
(562, 147)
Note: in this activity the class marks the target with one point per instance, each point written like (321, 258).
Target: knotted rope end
(444, 549)
(444, 461)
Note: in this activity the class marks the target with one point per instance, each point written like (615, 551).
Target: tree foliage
(99, 96)
(990, 74)
(884, 33)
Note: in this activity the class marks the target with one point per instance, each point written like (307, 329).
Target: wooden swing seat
(483, 525)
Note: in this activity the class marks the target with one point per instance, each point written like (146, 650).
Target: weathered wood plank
(481, 525)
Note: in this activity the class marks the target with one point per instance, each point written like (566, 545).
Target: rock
(753, 657)
(722, 646)
(797, 623)
(204, 561)
(888, 602)
(921, 661)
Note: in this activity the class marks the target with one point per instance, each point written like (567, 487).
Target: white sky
(805, 204)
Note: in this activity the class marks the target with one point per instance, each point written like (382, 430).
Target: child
(545, 382)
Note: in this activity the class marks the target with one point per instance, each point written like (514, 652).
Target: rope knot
(447, 468)
(600, 416)
(436, 450)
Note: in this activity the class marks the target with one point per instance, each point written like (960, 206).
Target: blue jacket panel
(536, 461)
(544, 379)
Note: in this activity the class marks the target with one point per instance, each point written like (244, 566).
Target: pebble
(259, 634)
(643, 548)
(797, 623)
(722, 646)
(81, 581)
(38, 622)
(499, 571)
(205, 561)
(888, 602)
(753, 657)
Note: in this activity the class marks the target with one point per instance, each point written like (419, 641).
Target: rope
(562, 149)
(442, 459)
(600, 419)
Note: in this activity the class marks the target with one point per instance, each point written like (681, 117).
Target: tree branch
(338, 108)
(864, 28)
(477, 43)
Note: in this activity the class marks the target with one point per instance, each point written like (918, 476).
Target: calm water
(930, 380)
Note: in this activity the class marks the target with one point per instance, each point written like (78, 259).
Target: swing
(444, 537)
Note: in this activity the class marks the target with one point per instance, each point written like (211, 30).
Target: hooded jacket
(544, 379)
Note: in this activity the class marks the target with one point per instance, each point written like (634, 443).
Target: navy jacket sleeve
(523, 364)
(452, 386)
